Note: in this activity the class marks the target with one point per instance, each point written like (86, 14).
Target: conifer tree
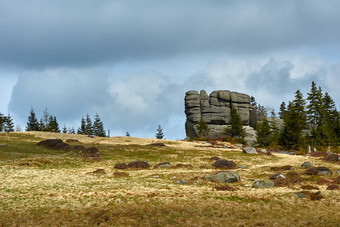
(64, 129)
(88, 126)
(53, 125)
(159, 134)
(45, 118)
(127, 134)
(294, 122)
(263, 134)
(98, 127)
(202, 128)
(282, 110)
(82, 129)
(42, 126)
(32, 123)
(315, 106)
(236, 129)
(8, 124)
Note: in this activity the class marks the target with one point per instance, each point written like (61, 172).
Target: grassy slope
(55, 189)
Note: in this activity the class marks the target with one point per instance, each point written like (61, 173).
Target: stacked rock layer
(214, 110)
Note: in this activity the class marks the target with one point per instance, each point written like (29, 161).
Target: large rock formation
(214, 110)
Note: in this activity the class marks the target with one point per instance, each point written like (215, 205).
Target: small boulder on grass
(224, 177)
(276, 176)
(263, 184)
(318, 171)
(163, 165)
(306, 165)
(249, 150)
(309, 195)
(224, 164)
(139, 165)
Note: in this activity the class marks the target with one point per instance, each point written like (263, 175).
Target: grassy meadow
(43, 187)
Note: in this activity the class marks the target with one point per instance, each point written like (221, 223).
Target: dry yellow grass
(53, 192)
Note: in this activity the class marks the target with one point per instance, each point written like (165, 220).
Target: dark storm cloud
(53, 33)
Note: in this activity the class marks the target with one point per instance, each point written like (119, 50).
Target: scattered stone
(138, 165)
(282, 168)
(337, 171)
(72, 141)
(301, 195)
(306, 165)
(249, 150)
(215, 158)
(224, 164)
(155, 176)
(157, 144)
(224, 188)
(55, 144)
(264, 151)
(3, 144)
(332, 158)
(121, 166)
(98, 171)
(181, 182)
(333, 187)
(309, 195)
(263, 184)
(163, 165)
(318, 171)
(25, 164)
(224, 177)
(239, 145)
(309, 187)
(276, 176)
(242, 167)
(120, 174)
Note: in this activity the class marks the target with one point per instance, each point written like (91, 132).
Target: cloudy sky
(132, 61)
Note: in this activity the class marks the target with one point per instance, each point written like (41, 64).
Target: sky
(132, 61)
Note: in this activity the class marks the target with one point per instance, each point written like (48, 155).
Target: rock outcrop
(214, 110)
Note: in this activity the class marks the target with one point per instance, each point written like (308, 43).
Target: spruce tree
(315, 106)
(263, 134)
(98, 127)
(294, 122)
(202, 128)
(236, 129)
(32, 123)
(88, 126)
(82, 129)
(8, 124)
(71, 131)
(127, 134)
(330, 120)
(53, 125)
(159, 134)
(282, 110)
(42, 126)
(64, 129)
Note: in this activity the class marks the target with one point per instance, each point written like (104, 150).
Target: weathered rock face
(214, 110)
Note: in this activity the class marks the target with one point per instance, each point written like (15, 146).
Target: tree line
(313, 121)
(49, 123)
(6, 123)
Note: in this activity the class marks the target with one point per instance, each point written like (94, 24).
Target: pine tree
(88, 126)
(202, 128)
(236, 129)
(64, 129)
(52, 125)
(8, 124)
(159, 134)
(98, 127)
(32, 123)
(253, 113)
(282, 110)
(263, 134)
(82, 129)
(330, 120)
(294, 122)
(42, 126)
(315, 106)
(127, 134)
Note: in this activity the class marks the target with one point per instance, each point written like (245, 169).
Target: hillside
(44, 187)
